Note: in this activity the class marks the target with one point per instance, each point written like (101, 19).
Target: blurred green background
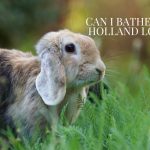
(23, 22)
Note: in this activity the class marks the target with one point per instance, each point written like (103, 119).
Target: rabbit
(34, 89)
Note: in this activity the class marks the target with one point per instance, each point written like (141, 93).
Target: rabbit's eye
(70, 48)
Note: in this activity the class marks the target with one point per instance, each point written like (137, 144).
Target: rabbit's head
(68, 60)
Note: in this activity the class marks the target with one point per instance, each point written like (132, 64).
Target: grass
(120, 121)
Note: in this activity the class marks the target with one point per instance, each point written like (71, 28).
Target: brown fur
(20, 102)
(19, 69)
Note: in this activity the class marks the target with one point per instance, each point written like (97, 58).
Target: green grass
(121, 121)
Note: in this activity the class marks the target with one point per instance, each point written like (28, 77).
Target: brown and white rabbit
(34, 89)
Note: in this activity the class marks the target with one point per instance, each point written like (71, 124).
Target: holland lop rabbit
(34, 89)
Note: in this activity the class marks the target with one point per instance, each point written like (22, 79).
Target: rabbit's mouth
(85, 81)
(92, 77)
(95, 81)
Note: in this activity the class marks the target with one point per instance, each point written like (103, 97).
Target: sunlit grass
(120, 121)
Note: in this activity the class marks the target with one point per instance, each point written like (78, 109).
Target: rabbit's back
(6, 70)
(16, 68)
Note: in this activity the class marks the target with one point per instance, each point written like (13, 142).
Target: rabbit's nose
(99, 71)
(100, 68)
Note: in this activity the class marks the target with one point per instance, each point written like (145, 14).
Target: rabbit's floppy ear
(51, 81)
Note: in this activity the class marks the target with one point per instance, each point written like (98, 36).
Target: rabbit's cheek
(71, 72)
(88, 74)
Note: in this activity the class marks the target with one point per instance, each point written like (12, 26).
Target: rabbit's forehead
(85, 46)
(86, 43)
(88, 46)
(66, 39)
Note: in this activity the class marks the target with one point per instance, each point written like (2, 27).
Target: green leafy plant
(120, 121)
